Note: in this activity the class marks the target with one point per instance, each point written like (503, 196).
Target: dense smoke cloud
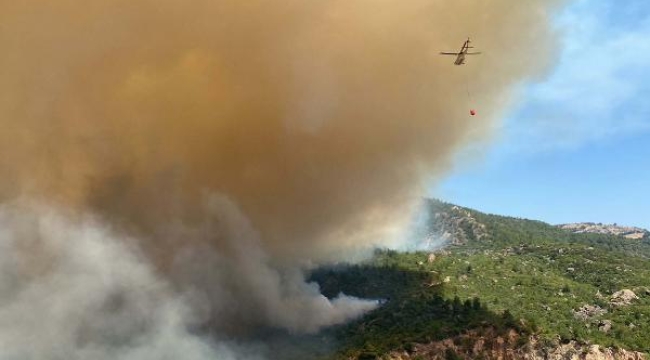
(70, 290)
(239, 141)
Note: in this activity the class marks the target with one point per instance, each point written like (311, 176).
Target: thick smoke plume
(237, 141)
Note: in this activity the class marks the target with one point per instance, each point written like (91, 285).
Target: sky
(576, 145)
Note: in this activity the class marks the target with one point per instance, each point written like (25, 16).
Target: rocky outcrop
(586, 312)
(457, 226)
(575, 351)
(487, 345)
(605, 326)
(623, 298)
(510, 346)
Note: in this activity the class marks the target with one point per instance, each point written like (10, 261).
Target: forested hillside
(510, 284)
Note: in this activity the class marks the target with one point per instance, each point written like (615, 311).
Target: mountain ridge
(628, 232)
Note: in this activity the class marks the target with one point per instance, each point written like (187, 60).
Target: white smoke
(239, 284)
(71, 288)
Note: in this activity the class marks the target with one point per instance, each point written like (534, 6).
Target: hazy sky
(577, 145)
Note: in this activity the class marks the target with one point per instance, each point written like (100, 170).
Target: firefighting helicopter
(460, 60)
(464, 51)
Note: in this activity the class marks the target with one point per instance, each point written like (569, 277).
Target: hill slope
(511, 285)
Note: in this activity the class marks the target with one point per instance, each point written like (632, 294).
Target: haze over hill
(457, 225)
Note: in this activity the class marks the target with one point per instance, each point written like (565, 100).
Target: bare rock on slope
(508, 347)
(623, 298)
(629, 232)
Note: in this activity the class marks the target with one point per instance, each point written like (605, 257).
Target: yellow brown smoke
(320, 119)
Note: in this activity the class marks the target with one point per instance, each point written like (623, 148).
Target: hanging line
(472, 112)
(469, 96)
